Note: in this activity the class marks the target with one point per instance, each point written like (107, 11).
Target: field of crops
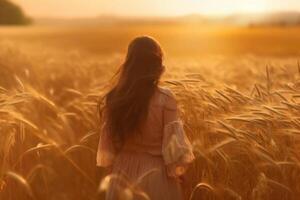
(238, 90)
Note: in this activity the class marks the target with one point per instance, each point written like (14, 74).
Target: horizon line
(205, 15)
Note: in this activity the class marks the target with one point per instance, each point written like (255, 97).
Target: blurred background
(192, 27)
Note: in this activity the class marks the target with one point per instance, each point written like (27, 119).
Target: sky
(92, 8)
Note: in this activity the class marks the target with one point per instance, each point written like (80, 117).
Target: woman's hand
(183, 179)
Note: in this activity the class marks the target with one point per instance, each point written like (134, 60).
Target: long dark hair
(126, 104)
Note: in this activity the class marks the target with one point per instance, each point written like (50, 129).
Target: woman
(142, 139)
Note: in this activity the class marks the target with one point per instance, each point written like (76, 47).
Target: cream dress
(149, 164)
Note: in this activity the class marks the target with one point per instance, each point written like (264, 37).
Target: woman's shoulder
(166, 92)
(167, 97)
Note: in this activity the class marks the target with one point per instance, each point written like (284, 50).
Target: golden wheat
(243, 122)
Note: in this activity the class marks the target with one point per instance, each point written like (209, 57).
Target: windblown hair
(126, 104)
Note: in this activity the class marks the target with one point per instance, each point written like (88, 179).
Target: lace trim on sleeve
(176, 149)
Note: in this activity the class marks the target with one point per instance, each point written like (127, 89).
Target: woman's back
(161, 150)
(150, 137)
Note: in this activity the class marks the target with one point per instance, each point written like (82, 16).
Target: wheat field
(238, 91)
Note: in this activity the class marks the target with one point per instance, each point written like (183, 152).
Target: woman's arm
(177, 149)
(106, 150)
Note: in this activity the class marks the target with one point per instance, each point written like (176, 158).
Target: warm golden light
(227, 7)
(91, 8)
(83, 116)
(255, 6)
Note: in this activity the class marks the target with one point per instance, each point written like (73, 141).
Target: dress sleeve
(176, 148)
(106, 151)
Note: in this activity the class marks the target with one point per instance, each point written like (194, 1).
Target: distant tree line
(282, 23)
(12, 14)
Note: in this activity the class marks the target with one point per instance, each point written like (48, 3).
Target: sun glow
(225, 7)
(254, 6)
(83, 8)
